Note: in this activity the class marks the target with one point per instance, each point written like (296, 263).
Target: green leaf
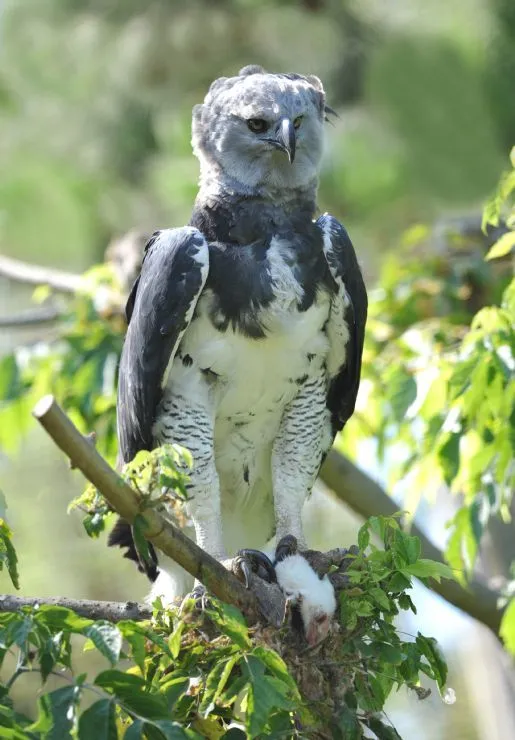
(232, 692)
(502, 246)
(398, 582)
(136, 637)
(406, 549)
(449, 457)
(134, 731)
(507, 629)
(174, 685)
(363, 608)
(424, 568)
(406, 603)
(157, 730)
(19, 630)
(389, 653)
(461, 546)
(139, 527)
(132, 694)
(369, 693)
(8, 554)
(431, 651)
(174, 642)
(107, 638)
(348, 723)
(56, 713)
(402, 391)
(60, 618)
(98, 722)
(263, 696)
(215, 684)
(275, 665)
(380, 598)
(231, 622)
(10, 381)
(383, 732)
(363, 537)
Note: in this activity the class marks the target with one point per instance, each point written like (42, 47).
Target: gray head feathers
(247, 125)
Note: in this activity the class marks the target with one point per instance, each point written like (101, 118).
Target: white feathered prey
(246, 327)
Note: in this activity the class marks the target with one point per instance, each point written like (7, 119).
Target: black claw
(199, 596)
(256, 562)
(244, 567)
(285, 547)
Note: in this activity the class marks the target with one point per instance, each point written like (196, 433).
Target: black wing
(348, 315)
(159, 310)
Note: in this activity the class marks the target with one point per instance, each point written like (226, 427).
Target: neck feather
(216, 186)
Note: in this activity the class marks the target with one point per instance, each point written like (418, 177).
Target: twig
(112, 611)
(22, 272)
(367, 498)
(125, 501)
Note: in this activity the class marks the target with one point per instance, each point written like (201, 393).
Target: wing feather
(346, 327)
(159, 310)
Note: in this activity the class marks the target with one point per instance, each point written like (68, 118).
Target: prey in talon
(245, 335)
(312, 597)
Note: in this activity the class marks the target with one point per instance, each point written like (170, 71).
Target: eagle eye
(257, 125)
(297, 122)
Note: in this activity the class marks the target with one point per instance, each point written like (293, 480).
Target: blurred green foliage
(96, 97)
(202, 673)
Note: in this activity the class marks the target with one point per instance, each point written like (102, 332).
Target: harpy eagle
(246, 331)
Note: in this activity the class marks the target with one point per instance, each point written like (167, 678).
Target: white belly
(250, 383)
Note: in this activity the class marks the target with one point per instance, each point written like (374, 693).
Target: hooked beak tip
(286, 139)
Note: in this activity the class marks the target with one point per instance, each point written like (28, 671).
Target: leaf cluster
(79, 365)
(439, 375)
(204, 673)
(159, 476)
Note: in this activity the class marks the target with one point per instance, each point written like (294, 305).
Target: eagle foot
(249, 561)
(286, 546)
(199, 595)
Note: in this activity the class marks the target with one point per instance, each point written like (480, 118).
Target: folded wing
(346, 327)
(159, 310)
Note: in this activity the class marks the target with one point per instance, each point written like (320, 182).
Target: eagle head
(261, 131)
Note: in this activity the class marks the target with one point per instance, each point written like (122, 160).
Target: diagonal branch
(126, 502)
(367, 498)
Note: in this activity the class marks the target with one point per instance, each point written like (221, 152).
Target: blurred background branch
(113, 611)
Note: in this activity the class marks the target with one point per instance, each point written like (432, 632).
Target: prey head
(261, 132)
(313, 596)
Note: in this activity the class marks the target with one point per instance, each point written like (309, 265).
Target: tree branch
(126, 502)
(366, 497)
(113, 611)
(31, 317)
(22, 272)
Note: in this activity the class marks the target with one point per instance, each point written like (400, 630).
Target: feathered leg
(304, 437)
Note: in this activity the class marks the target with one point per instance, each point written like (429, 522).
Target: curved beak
(285, 138)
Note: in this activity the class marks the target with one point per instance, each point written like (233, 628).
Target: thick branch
(367, 498)
(113, 611)
(124, 500)
(22, 272)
